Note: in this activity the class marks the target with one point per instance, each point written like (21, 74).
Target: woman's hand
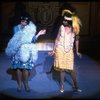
(42, 32)
(79, 54)
(51, 53)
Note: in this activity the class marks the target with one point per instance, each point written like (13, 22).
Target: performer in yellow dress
(63, 47)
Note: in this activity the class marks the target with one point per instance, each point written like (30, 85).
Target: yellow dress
(64, 57)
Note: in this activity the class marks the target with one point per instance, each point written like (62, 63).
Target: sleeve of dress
(34, 39)
(16, 29)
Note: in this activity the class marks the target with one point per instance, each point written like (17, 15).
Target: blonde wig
(76, 22)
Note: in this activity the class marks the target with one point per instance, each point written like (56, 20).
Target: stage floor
(44, 83)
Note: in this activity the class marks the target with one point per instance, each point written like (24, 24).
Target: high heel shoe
(77, 90)
(19, 89)
(27, 89)
(62, 90)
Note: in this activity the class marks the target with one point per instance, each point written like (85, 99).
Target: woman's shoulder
(32, 24)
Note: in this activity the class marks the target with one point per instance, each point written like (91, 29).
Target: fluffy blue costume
(21, 48)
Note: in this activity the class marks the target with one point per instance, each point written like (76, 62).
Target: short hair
(25, 17)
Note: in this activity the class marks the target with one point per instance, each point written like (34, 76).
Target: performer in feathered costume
(63, 47)
(22, 50)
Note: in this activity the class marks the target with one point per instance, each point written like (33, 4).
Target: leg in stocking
(74, 78)
(25, 74)
(19, 78)
(75, 81)
(62, 76)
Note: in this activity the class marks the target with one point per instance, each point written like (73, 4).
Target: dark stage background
(46, 15)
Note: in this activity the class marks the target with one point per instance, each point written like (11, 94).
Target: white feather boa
(20, 44)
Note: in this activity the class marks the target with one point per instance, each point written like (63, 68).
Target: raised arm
(41, 32)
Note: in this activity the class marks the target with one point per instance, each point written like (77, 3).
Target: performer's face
(65, 22)
(23, 23)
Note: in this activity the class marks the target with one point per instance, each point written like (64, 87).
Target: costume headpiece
(68, 15)
(66, 11)
(25, 17)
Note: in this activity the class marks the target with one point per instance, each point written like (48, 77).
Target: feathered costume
(21, 48)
